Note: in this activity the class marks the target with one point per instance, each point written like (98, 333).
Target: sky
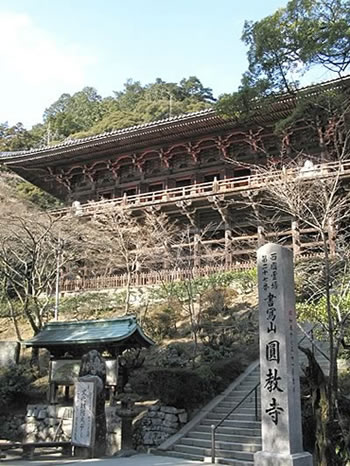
(51, 47)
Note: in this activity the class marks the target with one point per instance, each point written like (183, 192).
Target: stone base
(264, 458)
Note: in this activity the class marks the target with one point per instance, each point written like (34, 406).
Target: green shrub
(185, 388)
(226, 371)
(182, 388)
(14, 383)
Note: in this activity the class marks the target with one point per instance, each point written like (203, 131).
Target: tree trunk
(325, 453)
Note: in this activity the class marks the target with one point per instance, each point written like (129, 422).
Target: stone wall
(157, 424)
(12, 427)
(44, 423)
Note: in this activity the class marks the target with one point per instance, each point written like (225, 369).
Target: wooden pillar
(228, 247)
(332, 236)
(261, 236)
(295, 239)
(196, 251)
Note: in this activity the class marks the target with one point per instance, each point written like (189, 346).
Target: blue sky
(53, 46)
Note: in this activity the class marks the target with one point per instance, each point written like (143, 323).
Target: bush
(161, 323)
(181, 388)
(227, 370)
(185, 388)
(14, 383)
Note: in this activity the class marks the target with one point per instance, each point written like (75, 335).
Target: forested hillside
(86, 113)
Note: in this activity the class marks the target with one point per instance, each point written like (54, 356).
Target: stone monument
(282, 443)
(89, 426)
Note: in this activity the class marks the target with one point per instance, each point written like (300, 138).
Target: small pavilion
(68, 341)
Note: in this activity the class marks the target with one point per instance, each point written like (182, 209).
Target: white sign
(84, 413)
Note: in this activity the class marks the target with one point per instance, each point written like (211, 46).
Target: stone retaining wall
(45, 423)
(11, 427)
(157, 424)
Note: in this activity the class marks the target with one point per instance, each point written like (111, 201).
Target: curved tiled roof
(118, 134)
(88, 332)
(161, 128)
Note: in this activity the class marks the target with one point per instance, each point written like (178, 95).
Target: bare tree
(308, 183)
(131, 242)
(30, 241)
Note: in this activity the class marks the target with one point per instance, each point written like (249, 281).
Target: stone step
(240, 410)
(243, 437)
(237, 397)
(235, 416)
(234, 423)
(233, 462)
(198, 451)
(228, 405)
(240, 393)
(222, 445)
(248, 431)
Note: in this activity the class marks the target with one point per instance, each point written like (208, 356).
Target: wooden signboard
(66, 371)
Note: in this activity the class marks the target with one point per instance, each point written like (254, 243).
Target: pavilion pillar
(295, 239)
(332, 236)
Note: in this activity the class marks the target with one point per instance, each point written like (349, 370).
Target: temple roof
(203, 121)
(190, 124)
(90, 332)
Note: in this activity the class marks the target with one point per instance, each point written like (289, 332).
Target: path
(137, 460)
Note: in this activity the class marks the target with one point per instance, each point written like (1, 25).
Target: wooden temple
(192, 167)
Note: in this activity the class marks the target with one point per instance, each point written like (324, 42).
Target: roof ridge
(94, 321)
(210, 112)
(70, 141)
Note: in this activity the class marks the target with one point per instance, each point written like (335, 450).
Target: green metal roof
(87, 332)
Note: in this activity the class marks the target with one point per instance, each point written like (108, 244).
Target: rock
(154, 408)
(52, 411)
(125, 453)
(30, 438)
(173, 425)
(42, 414)
(171, 418)
(183, 418)
(169, 409)
(30, 428)
(169, 430)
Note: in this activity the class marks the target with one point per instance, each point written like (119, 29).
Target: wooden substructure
(301, 241)
(223, 209)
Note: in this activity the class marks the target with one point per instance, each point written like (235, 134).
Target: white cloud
(35, 68)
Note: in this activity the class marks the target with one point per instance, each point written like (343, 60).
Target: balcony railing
(203, 190)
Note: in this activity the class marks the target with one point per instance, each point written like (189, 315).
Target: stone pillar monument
(279, 368)
(89, 405)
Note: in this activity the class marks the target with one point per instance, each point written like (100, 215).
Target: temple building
(191, 167)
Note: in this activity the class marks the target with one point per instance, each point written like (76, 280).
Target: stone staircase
(239, 436)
